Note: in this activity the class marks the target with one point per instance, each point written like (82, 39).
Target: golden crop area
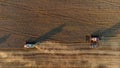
(61, 27)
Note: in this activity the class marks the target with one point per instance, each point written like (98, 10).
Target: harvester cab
(30, 44)
(94, 38)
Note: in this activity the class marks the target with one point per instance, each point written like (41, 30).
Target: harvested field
(61, 27)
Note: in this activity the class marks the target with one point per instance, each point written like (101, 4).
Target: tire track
(3, 3)
(110, 3)
(18, 32)
(43, 13)
(31, 9)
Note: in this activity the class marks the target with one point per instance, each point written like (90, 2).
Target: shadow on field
(4, 38)
(112, 31)
(49, 34)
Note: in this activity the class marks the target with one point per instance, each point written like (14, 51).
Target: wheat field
(60, 26)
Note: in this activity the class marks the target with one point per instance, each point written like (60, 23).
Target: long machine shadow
(4, 38)
(49, 34)
(110, 32)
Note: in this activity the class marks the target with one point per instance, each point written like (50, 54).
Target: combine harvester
(102, 35)
(94, 39)
(30, 44)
